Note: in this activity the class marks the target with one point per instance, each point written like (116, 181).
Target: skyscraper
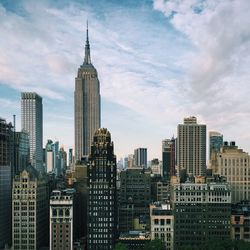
(168, 158)
(102, 207)
(191, 148)
(87, 105)
(140, 155)
(6, 172)
(32, 122)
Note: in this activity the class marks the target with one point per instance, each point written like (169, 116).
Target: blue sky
(158, 62)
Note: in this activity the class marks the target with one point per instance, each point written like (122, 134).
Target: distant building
(63, 160)
(240, 221)
(134, 240)
(61, 219)
(191, 148)
(29, 210)
(215, 143)
(102, 205)
(156, 167)
(57, 161)
(234, 164)
(168, 158)
(140, 155)
(32, 122)
(131, 161)
(134, 199)
(202, 212)
(70, 157)
(22, 150)
(125, 162)
(162, 224)
(6, 172)
(49, 156)
(87, 105)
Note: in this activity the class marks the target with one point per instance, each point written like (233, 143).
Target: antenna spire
(87, 47)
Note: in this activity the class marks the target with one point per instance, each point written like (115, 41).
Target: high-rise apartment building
(61, 219)
(29, 210)
(234, 164)
(140, 155)
(168, 158)
(191, 149)
(102, 207)
(87, 105)
(6, 172)
(32, 122)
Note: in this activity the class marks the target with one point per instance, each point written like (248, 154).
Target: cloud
(218, 74)
(193, 62)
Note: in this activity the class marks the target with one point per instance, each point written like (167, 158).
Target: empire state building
(87, 105)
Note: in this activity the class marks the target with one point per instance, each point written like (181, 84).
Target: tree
(120, 246)
(155, 245)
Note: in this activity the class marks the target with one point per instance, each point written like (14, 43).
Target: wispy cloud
(158, 69)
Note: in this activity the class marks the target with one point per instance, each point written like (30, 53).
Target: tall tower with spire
(87, 105)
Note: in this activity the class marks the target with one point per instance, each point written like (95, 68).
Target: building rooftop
(135, 235)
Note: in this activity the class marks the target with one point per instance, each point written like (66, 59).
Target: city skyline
(155, 59)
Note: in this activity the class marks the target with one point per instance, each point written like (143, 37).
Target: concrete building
(6, 172)
(140, 155)
(191, 148)
(202, 212)
(102, 203)
(134, 199)
(234, 164)
(29, 210)
(240, 221)
(32, 122)
(87, 105)
(61, 219)
(168, 158)
(162, 224)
